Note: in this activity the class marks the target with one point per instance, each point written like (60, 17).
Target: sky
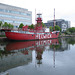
(64, 9)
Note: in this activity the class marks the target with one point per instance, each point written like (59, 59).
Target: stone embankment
(3, 39)
(67, 36)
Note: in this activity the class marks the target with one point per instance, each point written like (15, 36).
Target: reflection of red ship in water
(30, 45)
(38, 46)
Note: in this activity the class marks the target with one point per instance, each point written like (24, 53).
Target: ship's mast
(54, 19)
(54, 48)
(35, 16)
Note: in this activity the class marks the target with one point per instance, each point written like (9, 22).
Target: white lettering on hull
(43, 36)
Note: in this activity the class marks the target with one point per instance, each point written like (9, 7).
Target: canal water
(44, 57)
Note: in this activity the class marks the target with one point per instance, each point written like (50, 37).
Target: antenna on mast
(54, 19)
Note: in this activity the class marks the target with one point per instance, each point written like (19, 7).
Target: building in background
(63, 24)
(15, 15)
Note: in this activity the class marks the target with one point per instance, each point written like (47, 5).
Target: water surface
(44, 57)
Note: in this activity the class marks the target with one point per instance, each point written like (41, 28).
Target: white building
(15, 15)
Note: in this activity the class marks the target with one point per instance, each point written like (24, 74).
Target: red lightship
(39, 32)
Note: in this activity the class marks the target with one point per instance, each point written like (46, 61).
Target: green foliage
(43, 25)
(31, 26)
(71, 40)
(11, 26)
(21, 25)
(6, 25)
(57, 28)
(67, 32)
(51, 28)
(55, 46)
(70, 30)
(2, 35)
(1, 23)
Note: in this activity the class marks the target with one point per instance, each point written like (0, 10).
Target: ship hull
(30, 36)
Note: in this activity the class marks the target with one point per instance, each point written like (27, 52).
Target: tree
(10, 25)
(51, 28)
(32, 26)
(43, 25)
(1, 23)
(72, 30)
(21, 25)
(29, 27)
(57, 28)
(6, 25)
(67, 32)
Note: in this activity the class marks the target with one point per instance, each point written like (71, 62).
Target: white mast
(54, 19)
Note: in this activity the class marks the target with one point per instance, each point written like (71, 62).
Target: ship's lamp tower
(39, 19)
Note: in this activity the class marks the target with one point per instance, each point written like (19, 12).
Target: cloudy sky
(64, 9)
